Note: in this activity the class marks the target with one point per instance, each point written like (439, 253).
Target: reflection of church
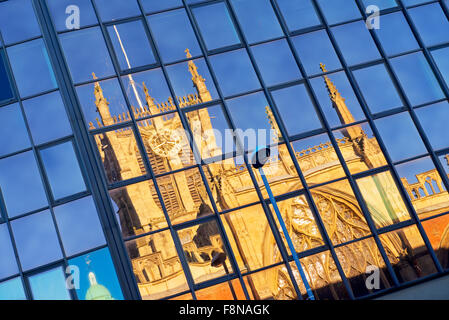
(156, 265)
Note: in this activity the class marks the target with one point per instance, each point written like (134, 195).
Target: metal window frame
(98, 187)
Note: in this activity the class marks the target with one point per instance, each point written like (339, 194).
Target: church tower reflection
(156, 265)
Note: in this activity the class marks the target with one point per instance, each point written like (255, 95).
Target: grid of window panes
(259, 64)
(49, 224)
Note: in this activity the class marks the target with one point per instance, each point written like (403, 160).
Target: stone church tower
(154, 258)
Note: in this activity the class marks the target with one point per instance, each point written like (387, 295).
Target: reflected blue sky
(11, 120)
(248, 113)
(12, 15)
(153, 6)
(216, 25)
(173, 35)
(434, 119)
(355, 42)
(61, 165)
(12, 290)
(181, 79)
(131, 36)
(309, 44)
(58, 7)
(19, 180)
(232, 66)
(79, 218)
(292, 9)
(36, 240)
(410, 169)
(257, 19)
(32, 68)
(395, 34)
(155, 82)
(8, 264)
(442, 62)
(100, 264)
(111, 91)
(85, 52)
(296, 109)
(339, 10)
(377, 88)
(400, 136)
(382, 4)
(416, 78)
(431, 23)
(276, 62)
(117, 9)
(49, 285)
(43, 127)
(344, 87)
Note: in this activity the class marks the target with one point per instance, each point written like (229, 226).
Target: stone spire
(273, 124)
(150, 100)
(102, 104)
(338, 102)
(198, 80)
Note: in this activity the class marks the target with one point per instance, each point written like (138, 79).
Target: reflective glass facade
(126, 142)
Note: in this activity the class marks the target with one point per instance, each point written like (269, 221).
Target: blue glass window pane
(174, 34)
(6, 92)
(131, 45)
(45, 128)
(248, 113)
(31, 67)
(299, 14)
(337, 11)
(8, 264)
(216, 26)
(117, 9)
(397, 132)
(382, 4)
(431, 23)
(153, 6)
(434, 119)
(440, 57)
(377, 88)
(235, 72)
(417, 78)
(97, 267)
(63, 170)
(343, 86)
(257, 19)
(181, 79)
(83, 62)
(13, 132)
(49, 285)
(395, 34)
(154, 81)
(276, 62)
(113, 94)
(413, 2)
(308, 45)
(58, 12)
(296, 109)
(19, 178)
(12, 290)
(355, 42)
(36, 240)
(18, 21)
(79, 226)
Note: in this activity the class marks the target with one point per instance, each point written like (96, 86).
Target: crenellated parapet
(429, 184)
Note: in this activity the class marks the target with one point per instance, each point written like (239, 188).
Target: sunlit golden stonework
(155, 263)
